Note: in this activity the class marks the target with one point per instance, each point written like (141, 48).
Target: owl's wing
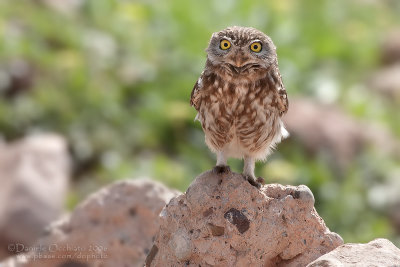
(195, 96)
(282, 99)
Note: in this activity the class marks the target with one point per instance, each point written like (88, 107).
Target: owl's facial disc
(242, 58)
(241, 50)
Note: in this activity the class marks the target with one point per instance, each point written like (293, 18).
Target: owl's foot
(255, 182)
(261, 180)
(221, 169)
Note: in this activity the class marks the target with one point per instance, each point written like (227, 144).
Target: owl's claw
(261, 180)
(220, 169)
(257, 183)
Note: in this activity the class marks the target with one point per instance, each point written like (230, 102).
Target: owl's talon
(260, 180)
(221, 169)
(252, 181)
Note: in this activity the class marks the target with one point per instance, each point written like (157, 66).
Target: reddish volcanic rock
(113, 227)
(225, 221)
(379, 253)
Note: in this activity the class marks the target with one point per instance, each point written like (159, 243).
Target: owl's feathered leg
(222, 165)
(221, 159)
(248, 171)
(248, 168)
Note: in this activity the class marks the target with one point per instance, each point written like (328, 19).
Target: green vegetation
(115, 77)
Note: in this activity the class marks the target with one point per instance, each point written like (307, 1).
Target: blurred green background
(114, 77)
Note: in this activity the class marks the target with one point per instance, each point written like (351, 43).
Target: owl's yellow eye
(256, 47)
(225, 44)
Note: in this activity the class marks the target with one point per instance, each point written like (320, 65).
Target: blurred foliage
(115, 77)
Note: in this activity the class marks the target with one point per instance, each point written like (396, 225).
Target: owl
(240, 98)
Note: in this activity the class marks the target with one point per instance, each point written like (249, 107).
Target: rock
(386, 81)
(66, 7)
(225, 221)
(315, 126)
(16, 77)
(113, 227)
(381, 138)
(391, 48)
(379, 252)
(34, 174)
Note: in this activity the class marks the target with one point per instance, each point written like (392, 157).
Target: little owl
(240, 98)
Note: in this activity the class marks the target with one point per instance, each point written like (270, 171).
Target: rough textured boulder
(387, 81)
(377, 253)
(67, 7)
(222, 220)
(34, 175)
(390, 51)
(19, 75)
(317, 130)
(113, 227)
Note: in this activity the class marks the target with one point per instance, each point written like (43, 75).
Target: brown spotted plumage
(240, 97)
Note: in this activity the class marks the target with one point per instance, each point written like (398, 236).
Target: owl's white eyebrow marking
(226, 38)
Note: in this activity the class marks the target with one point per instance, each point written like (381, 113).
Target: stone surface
(390, 51)
(34, 175)
(387, 81)
(225, 221)
(113, 227)
(377, 253)
(315, 126)
(66, 7)
(16, 76)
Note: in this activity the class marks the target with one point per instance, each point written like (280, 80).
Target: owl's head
(241, 49)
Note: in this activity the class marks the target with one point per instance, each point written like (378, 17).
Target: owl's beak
(238, 65)
(239, 60)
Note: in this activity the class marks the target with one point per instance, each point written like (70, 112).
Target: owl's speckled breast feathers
(241, 113)
(240, 97)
